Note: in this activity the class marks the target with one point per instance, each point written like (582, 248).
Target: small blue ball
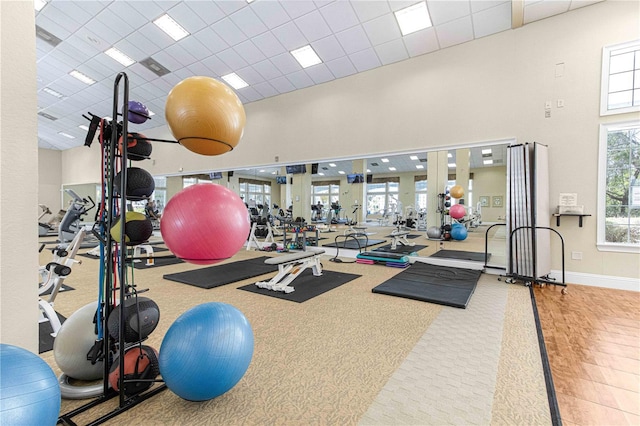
(459, 232)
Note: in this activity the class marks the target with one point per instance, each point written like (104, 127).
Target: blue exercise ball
(29, 390)
(459, 232)
(206, 351)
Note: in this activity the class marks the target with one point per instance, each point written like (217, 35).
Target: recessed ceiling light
(449, 155)
(306, 56)
(451, 165)
(341, 172)
(414, 157)
(321, 174)
(83, 78)
(167, 24)
(487, 162)
(419, 166)
(235, 81)
(413, 18)
(332, 164)
(368, 170)
(39, 4)
(119, 56)
(384, 160)
(53, 93)
(261, 171)
(66, 135)
(84, 127)
(486, 151)
(393, 169)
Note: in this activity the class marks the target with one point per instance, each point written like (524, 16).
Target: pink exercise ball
(457, 211)
(205, 223)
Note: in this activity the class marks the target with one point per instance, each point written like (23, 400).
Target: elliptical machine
(70, 224)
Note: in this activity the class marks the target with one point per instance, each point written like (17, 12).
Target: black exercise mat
(217, 275)
(307, 285)
(400, 249)
(461, 255)
(432, 283)
(351, 244)
(45, 343)
(157, 261)
(63, 288)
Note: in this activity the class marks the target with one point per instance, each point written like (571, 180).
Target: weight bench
(357, 230)
(289, 267)
(400, 237)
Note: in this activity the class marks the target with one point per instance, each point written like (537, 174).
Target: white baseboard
(605, 281)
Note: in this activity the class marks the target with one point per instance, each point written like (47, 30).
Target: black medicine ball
(140, 184)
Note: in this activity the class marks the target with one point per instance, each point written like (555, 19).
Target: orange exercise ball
(457, 191)
(205, 115)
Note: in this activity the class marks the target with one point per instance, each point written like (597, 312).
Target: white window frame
(604, 86)
(601, 244)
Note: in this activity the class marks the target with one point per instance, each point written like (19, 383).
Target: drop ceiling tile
(286, 63)
(193, 47)
(231, 6)
(127, 13)
(45, 100)
(159, 37)
(106, 32)
(446, 11)
(370, 9)
(69, 10)
(313, 26)
(267, 70)
(171, 79)
(392, 51)
(268, 44)
(148, 9)
(353, 40)
(319, 73)
(229, 31)
(300, 79)
(328, 48)
(145, 45)
(265, 89)
(211, 40)
(116, 24)
(493, 20)
(339, 15)
(341, 67)
(270, 12)
(174, 58)
(110, 65)
(53, 27)
(250, 94)
(295, 9)
(208, 11)
(249, 52)
(185, 72)
(163, 86)
(61, 19)
(216, 65)
(131, 49)
(42, 48)
(155, 90)
(290, 36)
(143, 74)
(93, 69)
(382, 29)
(396, 5)
(232, 59)
(576, 4)
(248, 22)
(544, 9)
(455, 32)
(199, 68)
(141, 94)
(250, 75)
(72, 51)
(480, 5)
(421, 42)
(187, 18)
(282, 85)
(365, 60)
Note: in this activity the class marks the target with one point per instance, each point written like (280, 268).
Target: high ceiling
(253, 40)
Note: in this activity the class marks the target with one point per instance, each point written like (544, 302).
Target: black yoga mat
(307, 286)
(217, 275)
(432, 283)
(351, 244)
(400, 249)
(157, 261)
(461, 255)
(44, 335)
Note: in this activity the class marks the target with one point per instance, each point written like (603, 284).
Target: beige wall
(50, 179)
(18, 177)
(490, 89)
(490, 182)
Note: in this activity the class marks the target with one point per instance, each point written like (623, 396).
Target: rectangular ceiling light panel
(235, 81)
(306, 56)
(167, 24)
(119, 56)
(413, 18)
(82, 77)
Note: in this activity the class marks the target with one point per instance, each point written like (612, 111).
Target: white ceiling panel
(232, 59)
(187, 18)
(113, 23)
(370, 9)
(353, 39)
(68, 11)
(211, 40)
(53, 27)
(300, 79)
(249, 52)
(61, 19)
(108, 64)
(339, 15)
(341, 67)
(143, 73)
(285, 63)
(148, 9)
(290, 36)
(139, 92)
(271, 13)
(365, 60)
(534, 11)
(146, 47)
(208, 11)
(248, 22)
(216, 65)
(229, 32)
(282, 85)
(176, 56)
(266, 89)
(295, 9)
(251, 94)
(157, 91)
(492, 20)
(268, 44)
(194, 47)
(313, 26)
(319, 73)
(106, 32)
(267, 70)
(421, 42)
(159, 37)
(328, 48)
(127, 13)
(446, 11)
(392, 51)
(455, 32)
(480, 5)
(69, 50)
(231, 6)
(250, 75)
(382, 29)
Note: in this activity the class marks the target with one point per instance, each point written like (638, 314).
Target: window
(619, 187)
(620, 78)
(382, 196)
(420, 189)
(255, 192)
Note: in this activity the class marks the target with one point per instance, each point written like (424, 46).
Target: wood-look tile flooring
(592, 337)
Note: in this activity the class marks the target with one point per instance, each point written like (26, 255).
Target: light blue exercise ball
(29, 390)
(206, 351)
(459, 232)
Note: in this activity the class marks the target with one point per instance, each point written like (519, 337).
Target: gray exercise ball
(75, 338)
(434, 232)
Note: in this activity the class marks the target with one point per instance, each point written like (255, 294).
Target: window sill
(619, 248)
